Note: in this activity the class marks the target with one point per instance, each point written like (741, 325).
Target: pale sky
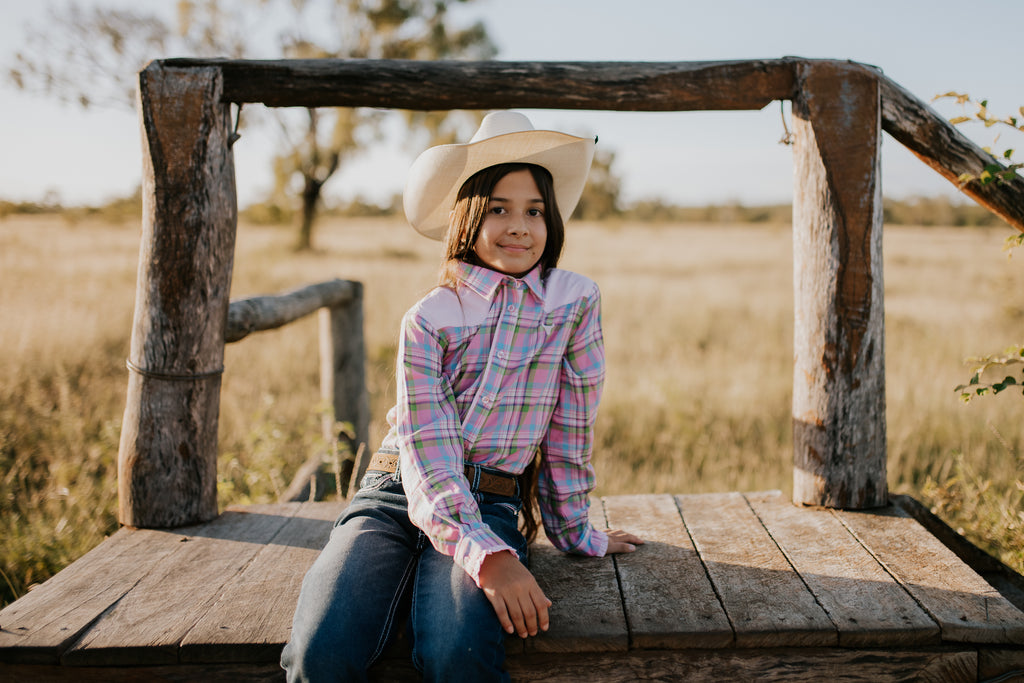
(928, 46)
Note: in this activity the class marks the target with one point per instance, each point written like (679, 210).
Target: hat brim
(437, 175)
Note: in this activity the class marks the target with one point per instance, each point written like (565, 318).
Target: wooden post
(839, 355)
(167, 464)
(343, 369)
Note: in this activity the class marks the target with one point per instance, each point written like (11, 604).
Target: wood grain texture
(343, 371)
(251, 619)
(259, 313)
(839, 433)
(792, 665)
(866, 604)
(41, 625)
(430, 85)
(586, 614)
(147, 625)
(668, 598)
(940, 145)
(966, 608)
(766, 602)
(167, 462)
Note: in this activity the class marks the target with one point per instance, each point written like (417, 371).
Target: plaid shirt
(487, 376)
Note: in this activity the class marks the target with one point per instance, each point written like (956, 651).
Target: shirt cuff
(474, 546)
(594, 543)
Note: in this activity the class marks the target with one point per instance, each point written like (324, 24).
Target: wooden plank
(997, 663)
(167, 460)
(966, 608)
(41, 625)
(868, 606)
(766, 602)
(809, 665)
(492, 84)
(839, 442)
(586, 614)
(951, 153)
(697, 666)
(146, 626)
(251, 621)
(668, 598)
(211, 673)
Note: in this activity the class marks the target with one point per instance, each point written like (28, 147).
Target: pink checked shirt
(488, 376)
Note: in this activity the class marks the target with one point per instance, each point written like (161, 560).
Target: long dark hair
(471, 208)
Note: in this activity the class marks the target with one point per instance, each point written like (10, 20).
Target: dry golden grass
(698, 326)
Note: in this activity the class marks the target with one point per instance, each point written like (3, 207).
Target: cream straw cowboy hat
(504, 137)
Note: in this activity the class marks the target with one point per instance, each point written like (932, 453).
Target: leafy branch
(1014, 356)
(996, 172)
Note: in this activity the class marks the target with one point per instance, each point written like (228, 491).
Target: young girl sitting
(500, 370)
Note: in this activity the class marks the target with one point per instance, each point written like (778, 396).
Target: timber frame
(167, 459)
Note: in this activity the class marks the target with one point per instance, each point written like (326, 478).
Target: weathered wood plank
(766, 602)
(793, 665)
(839, 442)
(251, 620)
(147, 625)
(586, 614)
(40, 626)
(259, 313)
(427, 85)
(868, 606)
(210, 673)
(668, 598)
(940, 145)
(966, 608)
(997, 663)
(167, 462)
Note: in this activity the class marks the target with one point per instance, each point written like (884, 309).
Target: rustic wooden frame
(167, 460)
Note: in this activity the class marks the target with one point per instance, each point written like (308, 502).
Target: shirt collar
(486, 282)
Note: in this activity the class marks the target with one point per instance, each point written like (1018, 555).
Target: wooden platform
(728, 585)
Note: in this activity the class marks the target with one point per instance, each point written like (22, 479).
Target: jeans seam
(396, 599)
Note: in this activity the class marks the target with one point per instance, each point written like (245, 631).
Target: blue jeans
(377, 565)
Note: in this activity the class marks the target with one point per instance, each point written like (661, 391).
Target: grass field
(698, 327)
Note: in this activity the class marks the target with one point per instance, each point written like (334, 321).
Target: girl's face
(513, 233)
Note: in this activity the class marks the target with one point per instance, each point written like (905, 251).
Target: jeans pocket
(373, 480)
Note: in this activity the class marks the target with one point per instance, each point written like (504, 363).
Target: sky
(49, 150)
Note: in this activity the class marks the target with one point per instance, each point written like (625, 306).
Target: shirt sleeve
(441, 502)
(566, 475)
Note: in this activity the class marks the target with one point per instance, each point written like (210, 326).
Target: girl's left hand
(620, 541)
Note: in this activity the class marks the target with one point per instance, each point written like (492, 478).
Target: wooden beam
(940, 145)
(167, 463)
(260, 313)
(434, 85)
(839, 355)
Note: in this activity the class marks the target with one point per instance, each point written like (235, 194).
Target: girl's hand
(518, 601)
(620, 541)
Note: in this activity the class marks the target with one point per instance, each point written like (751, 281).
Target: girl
(502, 362)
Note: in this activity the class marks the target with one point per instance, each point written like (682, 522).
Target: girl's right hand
(517, 599)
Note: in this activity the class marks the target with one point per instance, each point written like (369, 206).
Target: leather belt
(490, 482)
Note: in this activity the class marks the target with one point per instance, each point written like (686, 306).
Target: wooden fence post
(167, 463)
(343, 369)
(839, 356)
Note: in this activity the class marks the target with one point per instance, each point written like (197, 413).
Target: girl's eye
(498, 210)
(535, 212)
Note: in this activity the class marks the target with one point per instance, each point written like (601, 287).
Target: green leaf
(1008, 154)
(975, 378)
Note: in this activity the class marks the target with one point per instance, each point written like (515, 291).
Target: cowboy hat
(504, 137)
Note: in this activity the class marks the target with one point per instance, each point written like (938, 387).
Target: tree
(90, 57)
(600, 198)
